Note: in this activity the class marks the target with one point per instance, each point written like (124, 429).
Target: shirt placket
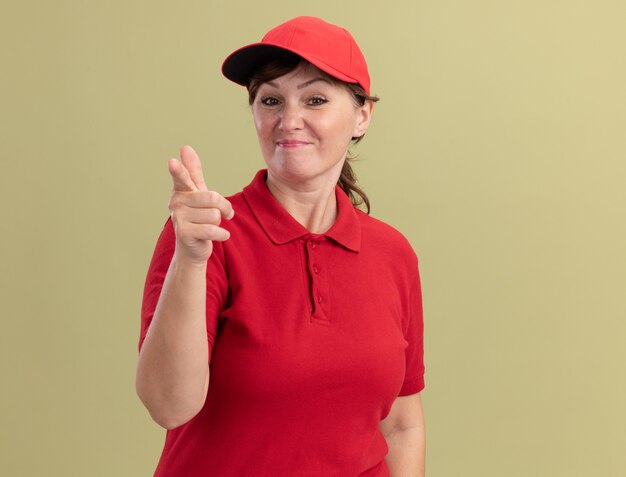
(318, 273)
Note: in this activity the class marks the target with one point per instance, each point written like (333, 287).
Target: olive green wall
(498, 148)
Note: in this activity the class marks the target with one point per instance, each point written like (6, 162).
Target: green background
(498, 148)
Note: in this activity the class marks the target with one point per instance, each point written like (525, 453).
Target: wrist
(183, 262)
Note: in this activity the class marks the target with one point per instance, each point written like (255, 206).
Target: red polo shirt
(311, 338)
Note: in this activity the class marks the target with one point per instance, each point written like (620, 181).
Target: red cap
(329, 47)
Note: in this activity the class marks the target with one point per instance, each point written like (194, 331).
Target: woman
(282, 326)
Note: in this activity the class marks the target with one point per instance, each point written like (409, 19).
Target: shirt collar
(281, 227)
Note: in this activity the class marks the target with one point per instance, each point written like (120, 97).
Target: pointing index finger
(192, 163)
(180, 176)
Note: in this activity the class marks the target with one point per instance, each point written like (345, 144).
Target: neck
(314, 206)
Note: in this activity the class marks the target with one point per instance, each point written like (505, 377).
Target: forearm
(172, 370)
(407, 452)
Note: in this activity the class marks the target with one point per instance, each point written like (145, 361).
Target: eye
(317, 101)
(269, 101)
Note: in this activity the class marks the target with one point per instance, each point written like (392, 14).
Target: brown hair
(281, 66)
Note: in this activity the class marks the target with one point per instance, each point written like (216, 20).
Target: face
(305, 124)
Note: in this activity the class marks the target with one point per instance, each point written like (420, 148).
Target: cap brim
(241, 64)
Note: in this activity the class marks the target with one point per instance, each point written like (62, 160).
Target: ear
(364, 115)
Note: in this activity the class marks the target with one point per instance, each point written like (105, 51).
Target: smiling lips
(291, 143)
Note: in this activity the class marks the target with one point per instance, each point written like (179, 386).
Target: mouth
(291, 144)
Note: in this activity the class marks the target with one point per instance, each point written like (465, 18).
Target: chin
(299, 173)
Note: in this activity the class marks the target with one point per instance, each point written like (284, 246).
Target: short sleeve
(414, 335)
(217, 283)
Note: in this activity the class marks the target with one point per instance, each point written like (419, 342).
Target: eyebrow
(303, 85)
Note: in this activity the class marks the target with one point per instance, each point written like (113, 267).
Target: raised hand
(196, 211)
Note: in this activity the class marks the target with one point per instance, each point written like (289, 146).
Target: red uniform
(311, 338)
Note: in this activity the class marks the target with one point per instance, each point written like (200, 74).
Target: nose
(291, 118)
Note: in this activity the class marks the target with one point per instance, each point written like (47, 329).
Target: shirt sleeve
(414, 335)
(217, 283)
